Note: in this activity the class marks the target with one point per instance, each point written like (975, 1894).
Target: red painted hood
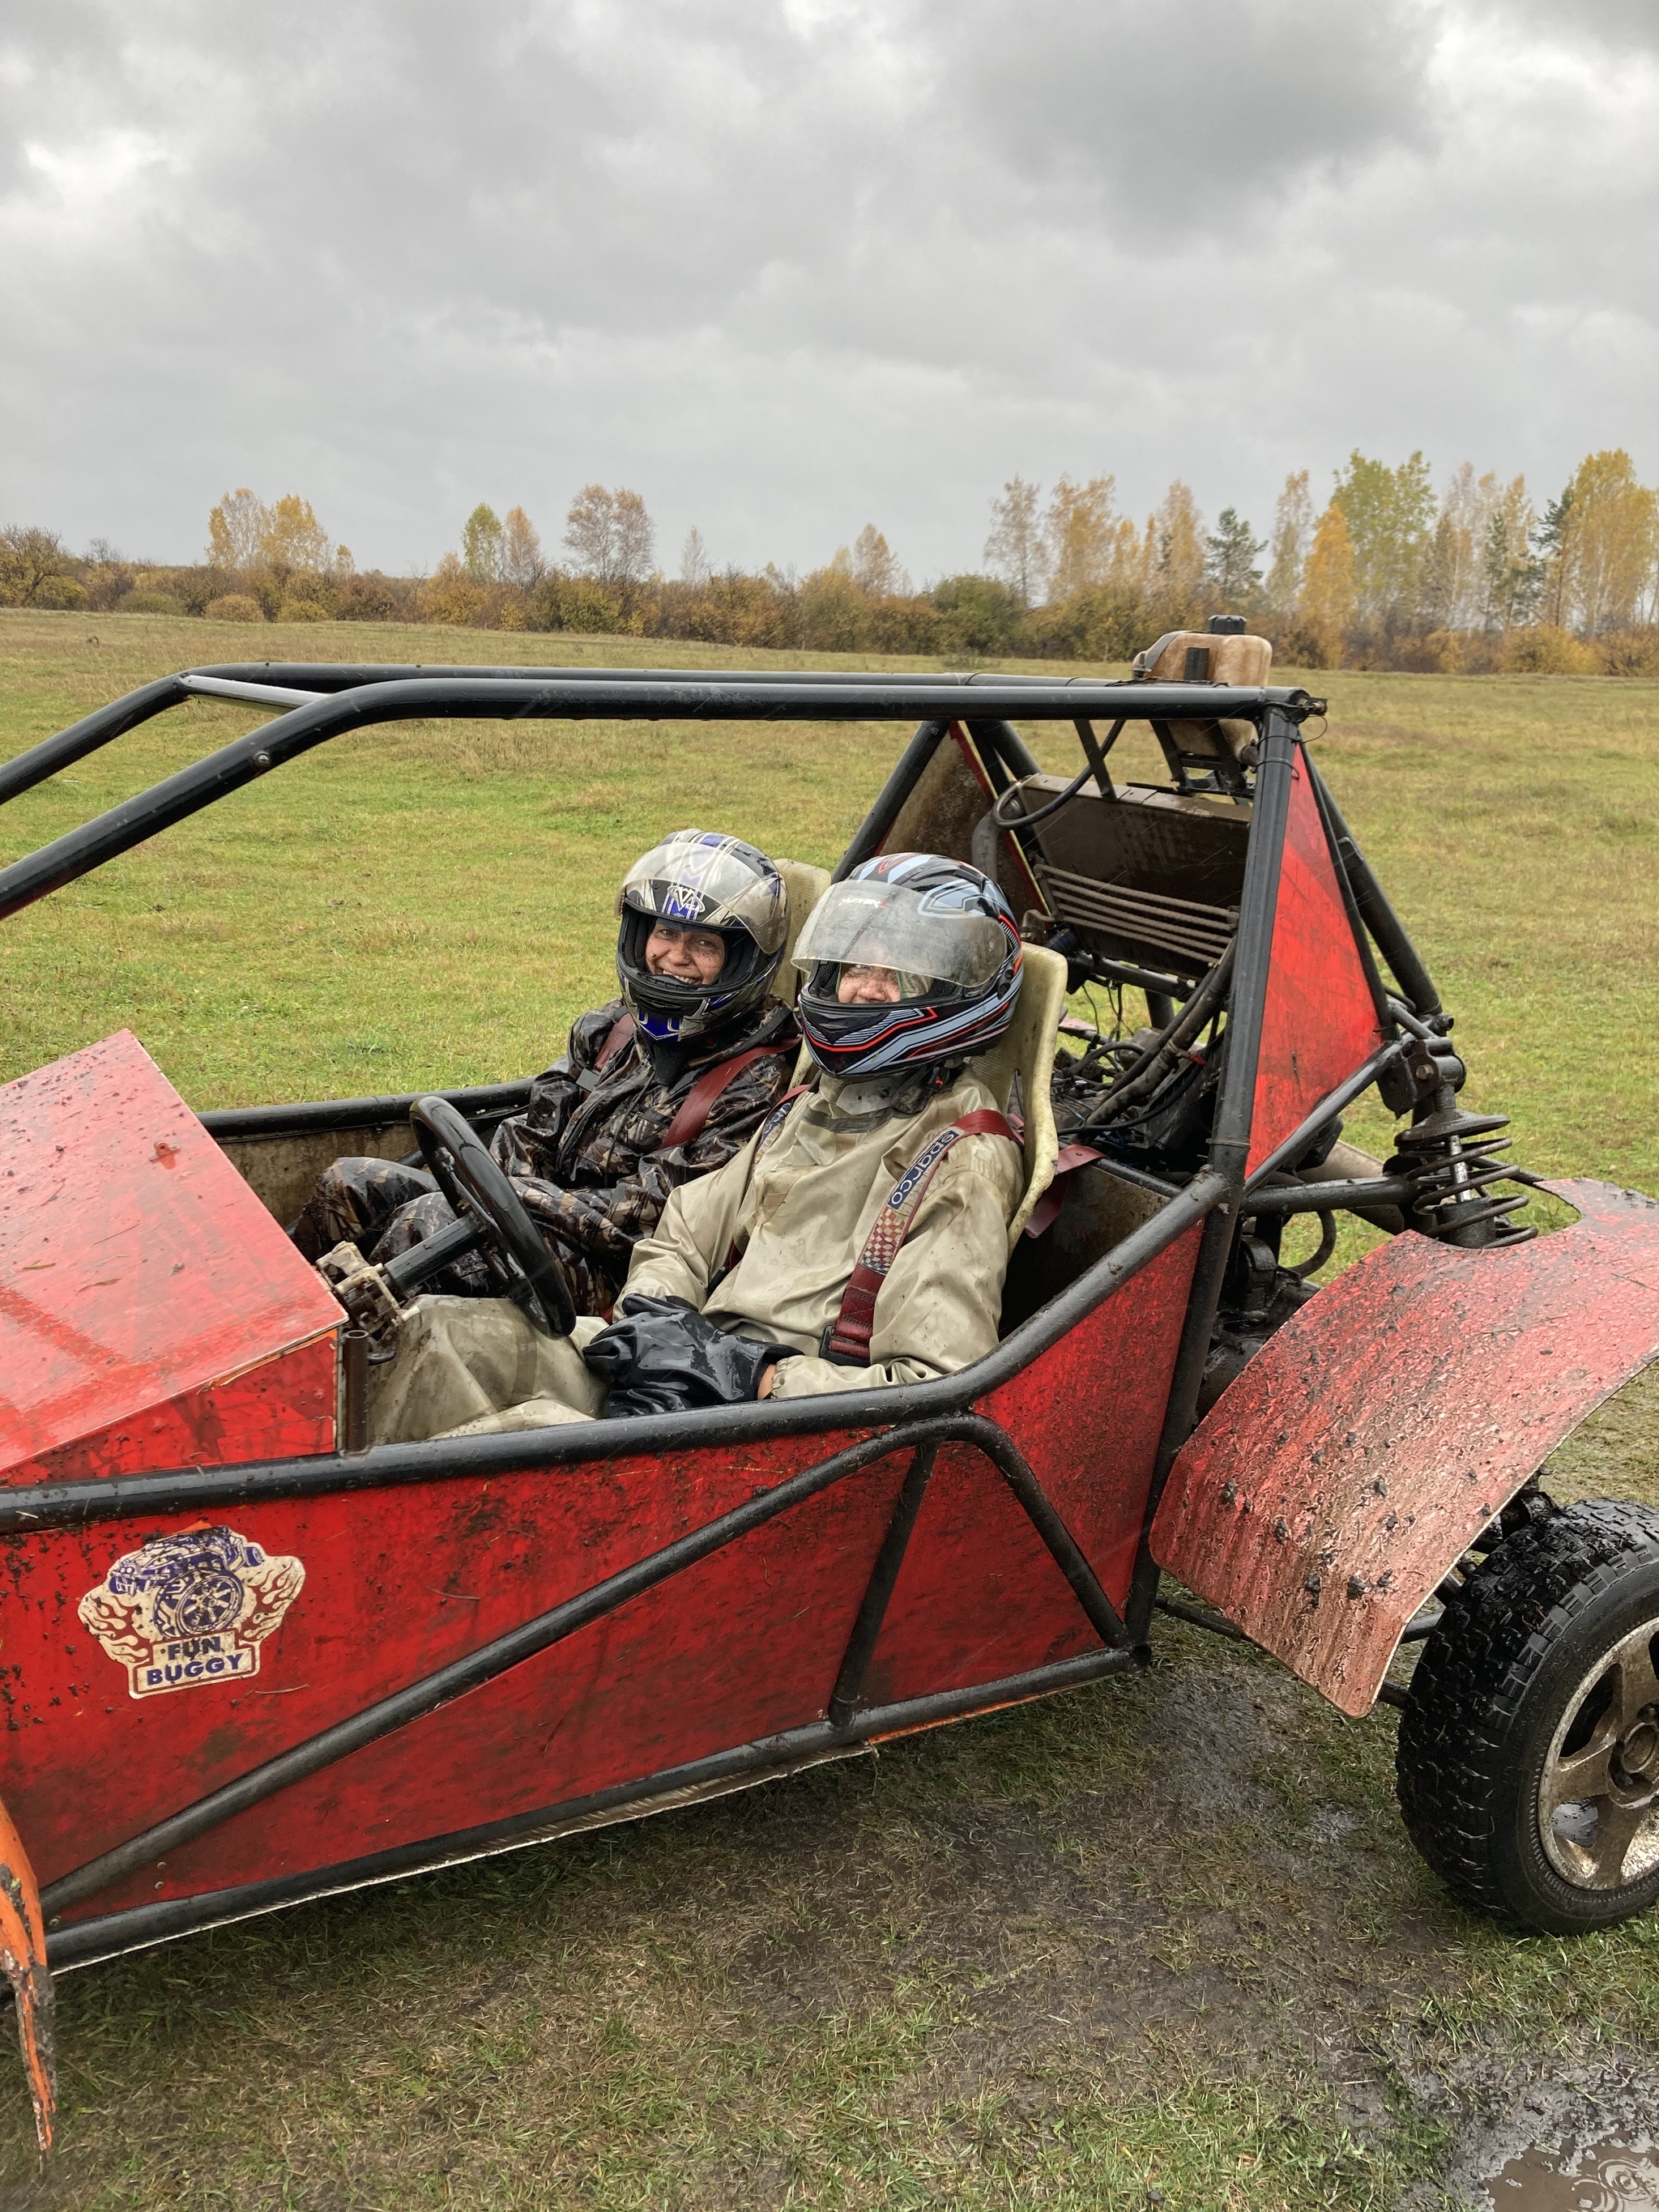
(152, 1314)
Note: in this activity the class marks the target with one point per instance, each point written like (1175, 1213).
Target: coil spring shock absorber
(1451, 1158)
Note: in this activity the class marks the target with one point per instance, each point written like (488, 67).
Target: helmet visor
(705, 882)
(865, 923)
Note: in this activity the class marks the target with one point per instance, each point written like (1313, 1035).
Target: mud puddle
(1599, 2178)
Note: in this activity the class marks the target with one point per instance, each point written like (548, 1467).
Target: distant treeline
(1388, 574)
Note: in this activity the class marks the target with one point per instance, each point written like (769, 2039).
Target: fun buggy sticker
(185, 1611)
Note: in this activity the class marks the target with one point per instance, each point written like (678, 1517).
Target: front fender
(1346, 1471)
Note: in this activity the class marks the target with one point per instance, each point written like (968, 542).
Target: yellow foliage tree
(450, 596)
(481, 545)
(521, 551)
(1175, 556)
(874, 568)
(1292, 528)
(1079, 535)
(1511, 575)
(294, 539)
(236, 531)
(834, 612)
(1611, 540)
(611, 535)
(1014, 550)
(1327, 589)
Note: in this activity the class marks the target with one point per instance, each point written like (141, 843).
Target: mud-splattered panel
(142, 1284)
(1320, 1022)
(1347, 1468)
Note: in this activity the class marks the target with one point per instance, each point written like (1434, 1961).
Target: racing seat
(805, 885)
(1028, 1051)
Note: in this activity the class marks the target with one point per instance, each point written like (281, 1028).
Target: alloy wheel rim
(1598, 1795)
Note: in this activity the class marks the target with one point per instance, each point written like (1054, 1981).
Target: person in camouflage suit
(663, 1084)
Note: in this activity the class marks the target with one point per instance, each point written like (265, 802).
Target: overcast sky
(789, 266)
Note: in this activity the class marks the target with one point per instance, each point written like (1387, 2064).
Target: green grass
(1166, 1936)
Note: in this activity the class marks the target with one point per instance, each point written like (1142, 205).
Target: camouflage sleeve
(608, 1221)
(526, 1144)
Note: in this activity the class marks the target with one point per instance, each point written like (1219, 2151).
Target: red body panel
(1346, 1470)
(152, 1314)
(397, 1582)
(1088, 1414)
(1320, 1022)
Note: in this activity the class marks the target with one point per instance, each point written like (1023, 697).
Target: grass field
(1162, 1942)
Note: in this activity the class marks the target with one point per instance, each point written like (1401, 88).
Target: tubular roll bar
(613, 697)
(264, 683)
(479, 1101)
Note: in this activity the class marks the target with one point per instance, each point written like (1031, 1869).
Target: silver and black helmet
(945, 941)
(699, 879)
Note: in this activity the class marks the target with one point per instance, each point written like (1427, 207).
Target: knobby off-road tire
(1528, 1758)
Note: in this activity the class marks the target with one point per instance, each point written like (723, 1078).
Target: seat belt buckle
(826, 1349)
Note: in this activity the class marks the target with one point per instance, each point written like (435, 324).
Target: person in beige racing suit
(859, 1239)
(662, 1086)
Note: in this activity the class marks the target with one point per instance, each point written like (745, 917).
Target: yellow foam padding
(805, 885)
(1028, 1051)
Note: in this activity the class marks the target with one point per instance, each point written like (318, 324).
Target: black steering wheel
(478, 1188)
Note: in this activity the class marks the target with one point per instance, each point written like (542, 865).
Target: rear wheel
(1528, 1758)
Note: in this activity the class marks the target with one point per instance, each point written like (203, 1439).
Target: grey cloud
(1195, 111)
(789, 268)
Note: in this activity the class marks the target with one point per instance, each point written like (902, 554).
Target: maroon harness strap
(1044, 1213)
(697, 1104)
(617, 1039)
(849, 1340)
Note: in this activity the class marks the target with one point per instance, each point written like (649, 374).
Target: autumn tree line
(1388, 573)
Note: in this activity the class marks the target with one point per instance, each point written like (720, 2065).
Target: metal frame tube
(261, 682)
(481, 1101)
(278, 697)
(1332, 1102)
(85, 1943)
(248, 758)
(419, 1699)
(1334, 1197)
(1258, 908)
(1230, 1143)
(28, 769)
(889, 801)
(1384, 924)
(883, 1577)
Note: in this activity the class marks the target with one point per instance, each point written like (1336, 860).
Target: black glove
(661, 1356)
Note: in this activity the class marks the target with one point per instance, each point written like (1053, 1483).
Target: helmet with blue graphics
(914, 960)
(700, 881)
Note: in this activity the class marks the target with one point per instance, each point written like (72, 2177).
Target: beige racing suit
(797, 1217)
(796, 1211)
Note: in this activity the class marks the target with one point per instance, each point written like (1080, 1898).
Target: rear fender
(1343, 1474)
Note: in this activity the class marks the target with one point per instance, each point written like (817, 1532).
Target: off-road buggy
(247, 1661)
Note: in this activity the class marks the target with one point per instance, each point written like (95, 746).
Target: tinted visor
(867, 923)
